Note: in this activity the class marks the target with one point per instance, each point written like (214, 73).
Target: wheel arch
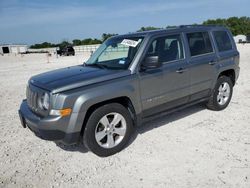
(123, 100)
(229, 73)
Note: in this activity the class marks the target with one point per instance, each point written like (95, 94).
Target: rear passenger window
(222, 40)
(199, 43)
(167, 48)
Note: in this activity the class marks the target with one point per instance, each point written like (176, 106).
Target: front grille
(33, 95)
(32, 99)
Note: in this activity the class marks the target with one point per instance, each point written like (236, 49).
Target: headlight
(45, 101)
(62, 112)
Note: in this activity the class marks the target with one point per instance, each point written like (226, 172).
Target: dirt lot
(191, 148)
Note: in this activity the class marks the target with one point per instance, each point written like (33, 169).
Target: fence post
(47, 57)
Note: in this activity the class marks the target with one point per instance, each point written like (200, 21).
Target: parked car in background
(248, 38)
(66, 51)
(128, 80)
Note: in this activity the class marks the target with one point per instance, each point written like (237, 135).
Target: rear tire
(108, 129)
(221, 95)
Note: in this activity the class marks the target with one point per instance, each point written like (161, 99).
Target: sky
(33, 21)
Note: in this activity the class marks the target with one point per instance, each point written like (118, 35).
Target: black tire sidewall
(216, 91)
(89, 132)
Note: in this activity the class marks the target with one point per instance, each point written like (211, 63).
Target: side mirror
(151, 62)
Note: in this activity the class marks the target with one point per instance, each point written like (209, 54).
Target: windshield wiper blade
(102, 66)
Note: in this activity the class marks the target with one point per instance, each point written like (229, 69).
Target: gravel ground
(194, 147)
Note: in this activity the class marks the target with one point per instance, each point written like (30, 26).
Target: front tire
(221, 95)
(108, 129)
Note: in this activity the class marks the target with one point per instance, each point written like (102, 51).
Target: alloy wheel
(110, 130)
(223, 93)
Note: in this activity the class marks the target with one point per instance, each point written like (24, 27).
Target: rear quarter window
(222, 40)
(199, 43)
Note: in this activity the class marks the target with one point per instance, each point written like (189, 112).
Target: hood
(73, 77)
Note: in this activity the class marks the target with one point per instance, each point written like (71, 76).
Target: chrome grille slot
(33, 95)
(32, 99)
(28, 96)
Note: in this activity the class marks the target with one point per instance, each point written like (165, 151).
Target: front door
(167, 86)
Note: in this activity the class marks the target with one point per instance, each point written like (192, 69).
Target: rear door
(226, 48)
(202, 62)
(168, 86)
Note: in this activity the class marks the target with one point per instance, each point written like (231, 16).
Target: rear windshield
(222, 40)
(199, 43)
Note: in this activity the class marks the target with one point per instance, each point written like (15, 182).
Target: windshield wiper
(102, 66)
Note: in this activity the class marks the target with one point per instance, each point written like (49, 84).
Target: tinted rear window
(222, 40)
(199, 43)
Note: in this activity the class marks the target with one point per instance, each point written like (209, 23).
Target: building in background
(13, 48)
(240, 39)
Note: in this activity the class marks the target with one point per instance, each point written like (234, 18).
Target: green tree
(149, 28)
(86, 41)
(238, 25)
(64, 44)
(77, 42)
(42, 45)
(170, 26)
(96, 41)
(105, 36)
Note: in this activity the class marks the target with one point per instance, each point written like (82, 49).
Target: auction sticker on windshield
(128, 42)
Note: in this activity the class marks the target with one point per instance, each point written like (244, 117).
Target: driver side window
(169, 48)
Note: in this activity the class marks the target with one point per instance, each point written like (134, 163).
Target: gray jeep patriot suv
(129, 79)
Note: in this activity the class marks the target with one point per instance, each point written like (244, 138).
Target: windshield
(116, 53)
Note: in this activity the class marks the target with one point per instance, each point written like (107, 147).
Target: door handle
(212, 62)
(181, 70)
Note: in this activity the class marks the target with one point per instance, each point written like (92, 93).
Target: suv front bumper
(49, 128)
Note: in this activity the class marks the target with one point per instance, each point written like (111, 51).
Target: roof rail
(200, 25)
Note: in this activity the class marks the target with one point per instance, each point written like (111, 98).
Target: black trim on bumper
(55, 135)
(47, 134)
(46, 129)
(22, 119)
